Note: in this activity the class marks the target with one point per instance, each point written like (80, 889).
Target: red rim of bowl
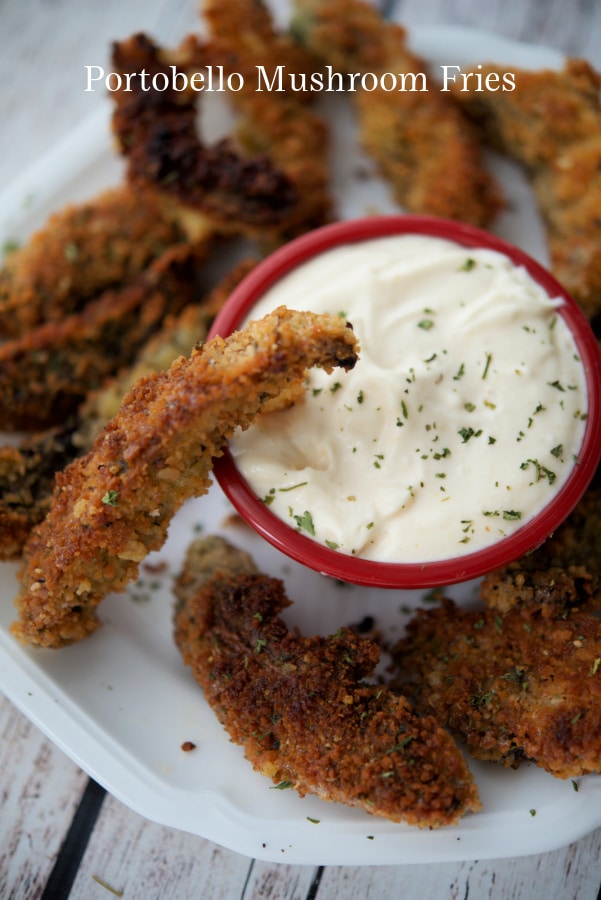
(408, 575)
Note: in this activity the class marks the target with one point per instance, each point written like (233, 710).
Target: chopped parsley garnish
(9, 246)
(467, 433)
(305, 522)
(71, 252)
(481, 699)
(541, 471)
(487, 365)
(401, 745)
(111, 498)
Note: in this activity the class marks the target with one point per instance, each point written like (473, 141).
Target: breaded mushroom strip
(299, 705)
(113, 506)
(28, 471)
(178, 337)
(276, 123)
(420, 140)
(80, 252)
(156, 130)
(551, 124)
(519, 687)
(258, 43)
(564, 572)
(45, 375)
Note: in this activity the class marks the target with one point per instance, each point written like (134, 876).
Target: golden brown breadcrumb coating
(564, 571)
(258, 43)
(27, 474)
(299, 705)
(81, 251)
(551, 124)
(113, 506)
(277, 124)
(421, 141)
(524, 686)
(177, 337)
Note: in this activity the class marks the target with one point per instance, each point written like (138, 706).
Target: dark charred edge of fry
(157, 133)
(299, 706)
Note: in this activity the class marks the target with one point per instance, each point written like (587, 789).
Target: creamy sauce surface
(462, 418)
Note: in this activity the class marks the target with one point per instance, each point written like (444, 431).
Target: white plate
(121, 703)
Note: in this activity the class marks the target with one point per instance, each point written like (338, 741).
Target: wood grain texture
(45, 46)
(151, 861)
(39, 791)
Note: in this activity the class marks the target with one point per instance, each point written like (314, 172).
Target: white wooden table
(61, 835)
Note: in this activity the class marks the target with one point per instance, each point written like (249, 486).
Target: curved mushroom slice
(300, 706)
(551, 124)
(113, 506)
(277, 123)
(420, 140)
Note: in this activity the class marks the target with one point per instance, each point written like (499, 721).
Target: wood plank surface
(40, 789)
(45, 46)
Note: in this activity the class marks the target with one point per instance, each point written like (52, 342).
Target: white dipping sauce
(461, 420)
